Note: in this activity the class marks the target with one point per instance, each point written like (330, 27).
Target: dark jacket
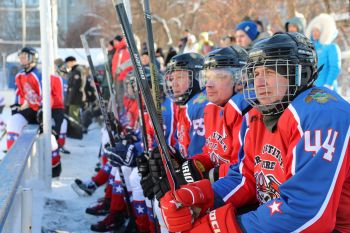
(76, 86)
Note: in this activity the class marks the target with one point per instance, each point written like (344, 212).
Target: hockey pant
(16, 124)
(118, 203)
(143, 222)
(157, 211)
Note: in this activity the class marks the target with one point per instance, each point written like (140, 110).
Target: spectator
(246, 33)
(183, 41)
(322, 31)
(296, 24)
(76, 88)
(205, 45)
(191, 45)
(160, 58)
(121, 66)
(171, 52)
(226, 41)
(262, 33)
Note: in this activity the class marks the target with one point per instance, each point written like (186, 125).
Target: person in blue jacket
(322, 31)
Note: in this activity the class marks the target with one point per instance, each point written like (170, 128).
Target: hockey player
(181, 85)
(60, 70)
(296, 157)
(57, 111)
(28, 95)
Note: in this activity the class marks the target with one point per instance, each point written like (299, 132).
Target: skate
(84, 188)
(111, 223)
(99, 208)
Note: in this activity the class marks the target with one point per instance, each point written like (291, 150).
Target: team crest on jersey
(201, 98)
(217, 159)
(274, 151)
(320, 96)
(267, 187)
(216, 137)
(30, 95)
(163, 108)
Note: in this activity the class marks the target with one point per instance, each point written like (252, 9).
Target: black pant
(58, 116)
(29, 114)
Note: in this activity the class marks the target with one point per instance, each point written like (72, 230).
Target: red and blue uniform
(190, 125)
(28, 88)
(169, 124)
(299, 173)
(222, 134)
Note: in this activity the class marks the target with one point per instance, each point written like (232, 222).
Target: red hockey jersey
(57, 96)
(222, 134)
(300, 173)
(28, 88)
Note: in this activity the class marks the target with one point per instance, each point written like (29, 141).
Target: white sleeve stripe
(331, 189)
(297, 119)
(230, 194)
(234, 105)
(234, 190)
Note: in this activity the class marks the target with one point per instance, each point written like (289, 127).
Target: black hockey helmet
(183, 69)
(230, 59)
(32, 56)
(291, 55)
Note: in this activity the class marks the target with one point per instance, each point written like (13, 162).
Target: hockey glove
(156, 165)
(161, 187)
(147, 185)
(188, 202)
(146, 178)
(14, 108)
(122, 154)
(189, 172)
(222, 220)
(142, 164)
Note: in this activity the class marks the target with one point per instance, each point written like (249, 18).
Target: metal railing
(17, 167)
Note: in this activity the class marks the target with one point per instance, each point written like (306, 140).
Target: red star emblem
(275, 207)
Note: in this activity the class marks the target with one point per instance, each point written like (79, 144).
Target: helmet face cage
(219, 74)
(32, 55)
(178, 84)
(279, 81)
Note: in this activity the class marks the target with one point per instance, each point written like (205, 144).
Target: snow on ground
(63, 209)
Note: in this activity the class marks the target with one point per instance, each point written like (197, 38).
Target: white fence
(21, 164)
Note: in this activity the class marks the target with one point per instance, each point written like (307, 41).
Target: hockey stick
(153, 61)
(142, 82)
(109, 80)
(3, 134)
(154, 75)
(107, 121)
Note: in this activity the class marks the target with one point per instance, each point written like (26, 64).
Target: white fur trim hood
(326, 24)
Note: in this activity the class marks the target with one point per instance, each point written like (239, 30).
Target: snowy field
(63, 209)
